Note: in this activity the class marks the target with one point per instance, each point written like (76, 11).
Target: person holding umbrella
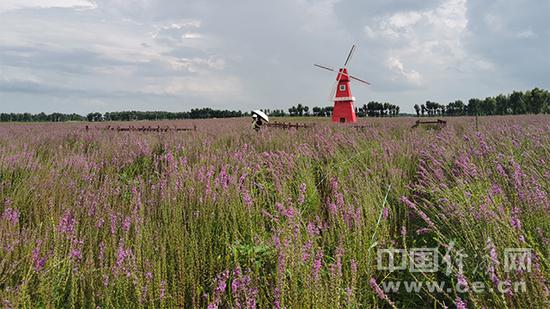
(258, 119)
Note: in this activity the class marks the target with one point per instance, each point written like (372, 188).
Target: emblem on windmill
(344, 110)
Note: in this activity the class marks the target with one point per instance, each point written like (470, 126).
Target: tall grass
(227, 217)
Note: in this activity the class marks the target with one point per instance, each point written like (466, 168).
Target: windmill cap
(343, 75)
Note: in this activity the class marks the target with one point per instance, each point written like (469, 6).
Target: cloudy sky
(99, 55)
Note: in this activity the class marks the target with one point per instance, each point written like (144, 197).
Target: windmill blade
(339, 77)
(354, 78)
(332, 93)
(350, 55)
(358, 79)
(324, 67)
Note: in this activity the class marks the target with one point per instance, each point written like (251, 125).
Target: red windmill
(344, 110)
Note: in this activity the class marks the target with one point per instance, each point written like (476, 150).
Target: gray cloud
(515, 37)
(176, 55)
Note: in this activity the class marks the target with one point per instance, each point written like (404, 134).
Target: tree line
(41, 117)
(198, 113)
(372, 109)
(377, 109)
(301, 110)
(535, 101)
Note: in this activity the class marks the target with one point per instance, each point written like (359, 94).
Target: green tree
(292, 111)
(502, 105)
(517, 103)
(474, 105)
(488, 106)
(455, 108)
(300, 109)
(536, 100)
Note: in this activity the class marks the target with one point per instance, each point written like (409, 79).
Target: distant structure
(343, 111)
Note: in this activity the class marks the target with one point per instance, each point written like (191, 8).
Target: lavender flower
(306, 251)
(374, 285)
(423, 231)
(122, 254)
(277, 298)
(247, 199)
(101, 255)
(462, 280)
(302, 197)
(332, 209)
(11, 215)
(336, 268)
(403, 231)
(243, 290)
(353, 267)
(514, 218)
(162, 289)
(493, 262)
(460, 304)
(76, 254)
(219, 289)
(496, 190)
(317, 266)
(500, 170)
(67, 223)
(126, 224)
(385, 213)
(312, 230)
(422, 215)
(38, 261)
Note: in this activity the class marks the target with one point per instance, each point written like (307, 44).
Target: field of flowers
(226, 217)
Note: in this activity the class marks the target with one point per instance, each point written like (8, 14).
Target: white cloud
(319, 16)
(396, 66)
(182, 25)
(191, 35)
(6, 5)
(430, 39)
(17, 76)
(197, 64)
(192, 23)
(209, 86)
(119, 56)
(405, 20)
(526, 34)
(382, 32)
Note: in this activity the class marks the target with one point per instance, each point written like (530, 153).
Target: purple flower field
(225, 217)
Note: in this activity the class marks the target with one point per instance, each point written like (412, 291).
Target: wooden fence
(284, 125)
(142, 129)
(439, 124)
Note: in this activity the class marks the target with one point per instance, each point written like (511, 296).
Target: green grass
(293, 217)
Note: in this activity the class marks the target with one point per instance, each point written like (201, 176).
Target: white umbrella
(260, 114)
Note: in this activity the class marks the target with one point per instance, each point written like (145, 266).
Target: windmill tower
(344, 110)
